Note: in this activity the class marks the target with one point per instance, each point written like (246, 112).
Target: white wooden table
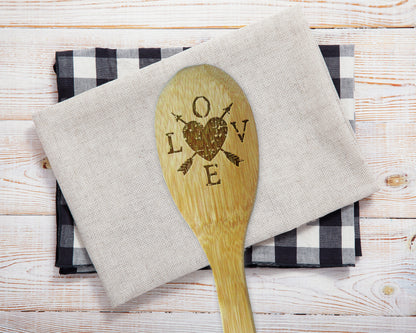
(378, 295)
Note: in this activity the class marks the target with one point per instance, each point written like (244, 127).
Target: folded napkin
(101, 146)
(333, 240)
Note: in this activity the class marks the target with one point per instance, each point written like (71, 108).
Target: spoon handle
(227, 265)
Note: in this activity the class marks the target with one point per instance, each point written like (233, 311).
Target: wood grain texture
(196, 108)
(385, 65)
(205, 14)
(217, 209)
(390, 149)
(385, 72)
(27, 186)
(382, 283)
(28, 81)
(74, 322)
(386, 92)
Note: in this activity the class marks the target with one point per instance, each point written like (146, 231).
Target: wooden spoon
(207, 144)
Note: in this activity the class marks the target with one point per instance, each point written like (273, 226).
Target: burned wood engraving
(206, 141)
(213, 188)
(206, 122)
(240, 136)
(210, 174)
(171, 149)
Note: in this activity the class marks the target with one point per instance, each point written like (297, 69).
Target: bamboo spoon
(207, 144)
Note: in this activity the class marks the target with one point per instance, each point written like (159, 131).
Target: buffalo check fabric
(333, 240)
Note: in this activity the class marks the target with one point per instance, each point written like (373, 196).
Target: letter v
(241, 136)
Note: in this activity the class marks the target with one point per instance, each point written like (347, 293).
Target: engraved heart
(206, 140)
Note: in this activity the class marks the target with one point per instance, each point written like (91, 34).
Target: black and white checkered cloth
(333, 240)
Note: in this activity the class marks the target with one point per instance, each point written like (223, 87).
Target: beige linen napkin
(102, 149)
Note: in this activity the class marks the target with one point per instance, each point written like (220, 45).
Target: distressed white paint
(378, 295)
(28, 280)
(385, 89)
(74, 322)
(209, 14)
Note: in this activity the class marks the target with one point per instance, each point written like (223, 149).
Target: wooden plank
(385, 64)
(28, 81)
(191, 14)
(28, 187)
(382, 283)
(194, 322)
(390, 150)
(385, 72)
(385, 89)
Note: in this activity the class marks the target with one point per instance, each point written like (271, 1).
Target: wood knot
(388, 290)
(412, 242)
(45, 163)
(396, 180)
